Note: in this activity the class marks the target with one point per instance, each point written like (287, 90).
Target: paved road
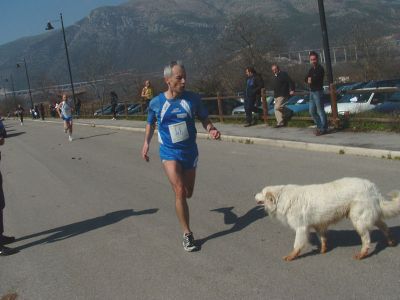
(96, 222)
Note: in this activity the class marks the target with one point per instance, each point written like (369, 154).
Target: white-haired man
(175, 111)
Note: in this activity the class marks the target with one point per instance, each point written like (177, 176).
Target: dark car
(133, 109)
(390, 103)
(108, 110)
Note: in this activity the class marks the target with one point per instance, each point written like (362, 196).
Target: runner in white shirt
(64, 110)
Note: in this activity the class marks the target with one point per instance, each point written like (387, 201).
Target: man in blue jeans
(315, 80)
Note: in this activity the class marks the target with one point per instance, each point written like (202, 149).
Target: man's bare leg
(176, 176)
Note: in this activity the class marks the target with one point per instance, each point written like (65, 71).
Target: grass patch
(12, 296)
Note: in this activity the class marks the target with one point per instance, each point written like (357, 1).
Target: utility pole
(328, 62)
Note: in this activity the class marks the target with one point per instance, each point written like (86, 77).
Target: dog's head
(269, 197)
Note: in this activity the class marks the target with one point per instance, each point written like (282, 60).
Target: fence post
(220, 111)
(264, 106)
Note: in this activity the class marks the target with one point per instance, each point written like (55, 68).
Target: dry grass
(12, 296)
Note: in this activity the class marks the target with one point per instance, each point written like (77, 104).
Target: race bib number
(178, 132)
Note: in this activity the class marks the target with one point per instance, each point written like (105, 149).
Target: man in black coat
(252, 96)
(315, 80)
(283, 87)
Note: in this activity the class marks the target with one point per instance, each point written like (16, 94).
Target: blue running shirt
(176, 120)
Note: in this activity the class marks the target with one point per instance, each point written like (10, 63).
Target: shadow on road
(10, 135)
(350, 238)
(74, 229)
(96, 135)
(239, 223)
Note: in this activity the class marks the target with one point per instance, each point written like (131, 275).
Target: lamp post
(328, 61)
(50, 27)
(13, 89)
(27, 79)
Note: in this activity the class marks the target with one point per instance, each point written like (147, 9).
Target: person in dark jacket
(41, 109)
(283, 87)
(254, 84)
(315, 80)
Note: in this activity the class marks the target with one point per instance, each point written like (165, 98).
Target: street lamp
(27, 79)
(50, 27)
(328, 61)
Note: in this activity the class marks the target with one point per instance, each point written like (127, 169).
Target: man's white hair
(168, 68)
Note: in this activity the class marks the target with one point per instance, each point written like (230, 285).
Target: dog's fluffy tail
(391, 209)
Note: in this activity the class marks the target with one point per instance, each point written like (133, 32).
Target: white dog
(319, 205)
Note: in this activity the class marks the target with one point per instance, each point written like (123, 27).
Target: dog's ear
(270, 197)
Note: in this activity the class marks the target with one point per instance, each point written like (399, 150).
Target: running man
(64, 110)
(175, 111)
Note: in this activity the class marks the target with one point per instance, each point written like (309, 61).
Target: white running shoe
(189, 243)
(70, 138)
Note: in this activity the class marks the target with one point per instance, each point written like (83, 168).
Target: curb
(377, 153)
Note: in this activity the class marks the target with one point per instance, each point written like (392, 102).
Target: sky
(22, 18)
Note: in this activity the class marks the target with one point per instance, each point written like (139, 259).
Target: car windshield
(355, 98)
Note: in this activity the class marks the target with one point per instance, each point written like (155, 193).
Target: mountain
(143, 35)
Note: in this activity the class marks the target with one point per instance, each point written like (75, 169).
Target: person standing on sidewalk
(147, 94)
(315, 80)
(254, 84)
(41, 109)
(283, 87)
(64, 110)
(4, 240)
(114, 103)
(175, 111)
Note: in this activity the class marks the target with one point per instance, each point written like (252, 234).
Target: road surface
(94, 221)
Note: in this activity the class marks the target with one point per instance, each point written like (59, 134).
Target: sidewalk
(376, 144)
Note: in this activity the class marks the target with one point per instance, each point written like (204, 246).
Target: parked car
(133, 109)
(239, 110)
(366, 99)
(107, 110)
(391, 104)
(295, 103)
(100, 111)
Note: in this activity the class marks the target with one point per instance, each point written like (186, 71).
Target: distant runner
(175, 111)
(64, 110)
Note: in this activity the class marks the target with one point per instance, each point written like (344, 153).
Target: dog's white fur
(319, 205)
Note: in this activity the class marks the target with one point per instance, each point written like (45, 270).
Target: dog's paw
(392, 243)
(291, 256)
(288, 258)
(361, 255)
